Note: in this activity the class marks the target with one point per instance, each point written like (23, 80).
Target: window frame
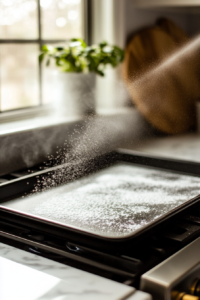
(41, 109)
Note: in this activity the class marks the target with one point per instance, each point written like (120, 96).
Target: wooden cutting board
(163, 80)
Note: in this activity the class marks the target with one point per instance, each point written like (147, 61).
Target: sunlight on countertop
(183, 146)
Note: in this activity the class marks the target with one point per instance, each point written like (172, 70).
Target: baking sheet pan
(115, 203)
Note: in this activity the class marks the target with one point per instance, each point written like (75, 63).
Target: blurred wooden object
(162, 73)
(178, 35)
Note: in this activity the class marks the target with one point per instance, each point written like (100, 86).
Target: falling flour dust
(114, 202)
(119, 200)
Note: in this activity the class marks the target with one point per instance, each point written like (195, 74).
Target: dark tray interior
(19, 187)
(120, 260)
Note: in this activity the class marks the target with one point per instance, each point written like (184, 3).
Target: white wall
(114, 21)
(108, 21)
(188, 18)
(108, 25)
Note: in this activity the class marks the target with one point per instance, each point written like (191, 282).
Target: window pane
(49, 79)
(18, 19)
(19, 82)
(61, 19)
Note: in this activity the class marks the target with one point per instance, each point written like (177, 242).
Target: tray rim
(120, 153)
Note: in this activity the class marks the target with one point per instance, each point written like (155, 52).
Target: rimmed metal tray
(121, 197)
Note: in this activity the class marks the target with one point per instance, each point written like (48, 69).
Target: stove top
(149, 211)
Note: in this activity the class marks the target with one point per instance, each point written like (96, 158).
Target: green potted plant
(79, 62)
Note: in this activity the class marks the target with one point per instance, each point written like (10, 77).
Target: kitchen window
(25, 25)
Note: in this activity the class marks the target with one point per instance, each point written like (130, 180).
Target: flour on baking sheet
(114, 202)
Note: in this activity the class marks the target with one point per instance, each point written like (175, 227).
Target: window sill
(25, 143)
(31, 120)
(40, 117)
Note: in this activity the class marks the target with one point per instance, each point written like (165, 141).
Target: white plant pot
(74, 94)
(111, 93)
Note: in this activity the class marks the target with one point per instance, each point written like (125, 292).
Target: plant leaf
(81, 41)
(41, 57)
(48, 62)
(78, 57)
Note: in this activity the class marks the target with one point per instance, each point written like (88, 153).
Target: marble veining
(59, 282)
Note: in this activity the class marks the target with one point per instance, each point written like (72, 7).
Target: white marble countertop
(26, 276)
(183, 147)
